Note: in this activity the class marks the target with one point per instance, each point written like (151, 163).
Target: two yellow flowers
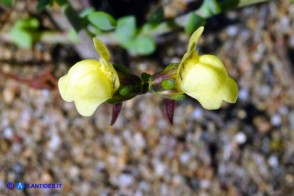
(89, 82)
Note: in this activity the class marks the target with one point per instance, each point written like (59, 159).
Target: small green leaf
(141, 45)
(24, 32)
(42, 4)
(209, 8)
(148, 28)
(7, 3)
(125, 29)
(168, 84)
(102, 20)
(194, 23)
(21, 38)
(126, 90)
(27, 23)
(157, 16)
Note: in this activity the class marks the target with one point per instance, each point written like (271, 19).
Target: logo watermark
(21, 186)
(10, 185)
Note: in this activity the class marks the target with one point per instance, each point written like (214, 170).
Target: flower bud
(164, 83)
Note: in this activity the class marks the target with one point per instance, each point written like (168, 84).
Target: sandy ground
(242, 149)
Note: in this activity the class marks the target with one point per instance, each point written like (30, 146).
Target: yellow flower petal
(88, 84)
(191, 50)
(101, 49)
(213, 61)
(207, 81)
(87, 107)
(93, 85)
(231, 91)
(90, 67)
(109, 71)
(64, 88)
(194, 39)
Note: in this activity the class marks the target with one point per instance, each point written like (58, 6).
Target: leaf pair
(129, 37)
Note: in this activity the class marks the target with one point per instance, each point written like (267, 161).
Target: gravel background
(242, 149)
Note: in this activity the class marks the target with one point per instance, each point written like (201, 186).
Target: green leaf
(209, 8)
(24, 32)
(126, 29)
(27, 23)
(141, 45)
(21, 38)
(126, 36)
(194, 22)
(157, 16)
(102, 20)
(7, 3)
(148, 28)
(42, 4)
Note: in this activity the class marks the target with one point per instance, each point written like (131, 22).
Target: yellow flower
(89, 82)
(205, 77)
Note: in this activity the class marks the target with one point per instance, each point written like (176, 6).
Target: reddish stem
(42, 81)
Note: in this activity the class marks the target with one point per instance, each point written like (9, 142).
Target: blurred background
(245, 148)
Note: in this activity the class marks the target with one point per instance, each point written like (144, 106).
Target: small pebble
(205, 184)
(273, 161)
(8, 95)
(139, 141)
(284, 110)
(240, 138)
(46, 93)
(184, 158)
(197, 114)
(159, 168)
(54, 142)
(232, 30)
(8, 133)
(243, 94)
(291, 120)
(164, 189)
(125, 180)
(276, 120)
(73, 171)
(16, 148)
